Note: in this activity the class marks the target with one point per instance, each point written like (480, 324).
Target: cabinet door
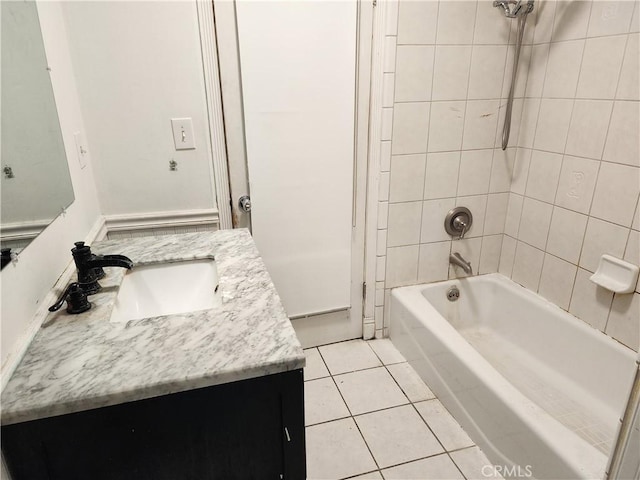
(231, 431)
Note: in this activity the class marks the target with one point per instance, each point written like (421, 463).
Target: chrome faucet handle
(458, 222)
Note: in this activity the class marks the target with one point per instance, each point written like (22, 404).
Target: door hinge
(364, 291)
(375, 3)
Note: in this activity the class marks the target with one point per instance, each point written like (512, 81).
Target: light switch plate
(183, 138)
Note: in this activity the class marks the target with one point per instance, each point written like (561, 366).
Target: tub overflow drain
(453, 294)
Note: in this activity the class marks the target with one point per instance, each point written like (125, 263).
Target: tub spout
(456, 259)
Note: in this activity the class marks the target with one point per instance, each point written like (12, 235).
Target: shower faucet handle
(458, 222)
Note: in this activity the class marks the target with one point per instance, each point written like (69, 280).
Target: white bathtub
(537, 389)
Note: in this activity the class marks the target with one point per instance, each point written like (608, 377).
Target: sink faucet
(456, 259)
(90, 266)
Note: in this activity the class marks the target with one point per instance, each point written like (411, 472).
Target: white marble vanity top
(81, 362)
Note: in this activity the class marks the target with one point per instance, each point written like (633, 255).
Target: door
(300, 80)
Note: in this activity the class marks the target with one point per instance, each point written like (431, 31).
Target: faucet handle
(76, 299)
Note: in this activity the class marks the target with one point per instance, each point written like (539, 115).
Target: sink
(167, 289)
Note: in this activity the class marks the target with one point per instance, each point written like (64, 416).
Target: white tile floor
(368, 415)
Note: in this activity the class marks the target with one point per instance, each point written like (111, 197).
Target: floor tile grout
(409, 402)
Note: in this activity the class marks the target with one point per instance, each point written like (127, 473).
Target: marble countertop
(80, 362)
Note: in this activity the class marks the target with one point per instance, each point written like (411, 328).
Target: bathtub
(538, 390)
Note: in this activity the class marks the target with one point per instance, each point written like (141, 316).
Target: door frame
(326, 327)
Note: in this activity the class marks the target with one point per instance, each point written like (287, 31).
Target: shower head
(514, 8)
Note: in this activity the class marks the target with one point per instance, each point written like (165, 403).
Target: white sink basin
(166, 289)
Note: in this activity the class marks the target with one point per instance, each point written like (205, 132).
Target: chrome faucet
(456, 259)
(90, 266)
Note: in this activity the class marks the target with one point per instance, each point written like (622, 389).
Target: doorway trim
(217, 23)
(217, 145)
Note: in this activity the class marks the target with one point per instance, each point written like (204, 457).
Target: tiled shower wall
(574, 194)
(577, 93)
(444, 91)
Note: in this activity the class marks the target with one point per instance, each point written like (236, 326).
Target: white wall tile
(622, 145)
(636, 220)
(388, 80)
(496, 215)
(414, 72)
(445, 126)
(490, 254)
(404, 224)
(566, 234)
(470, 249)
(407, 177)
(635, 20)
(535, 222)
(629, 84)
(601, 67)
(487, 30)
(477, 204)
(381, 243)
(537, 70)
(383, 186)
(571, 20)
(417, 22)
(480, 123)
(544, 19)
(527, 131)
(522, 74)
(514, 213)
(588, 129)
(441, 179)
(507, 256)
(577, 182)
(433, 215)
(402, 266)
(455, 22)
(383, 214)
(590, 302)
(600, 238)
(616, 193)
(544, 173)
(387, 124)
(389, 59)
(610, 18)
(451, 72)
(556, 281)
(433, 263)
(487, 71)
(516, 120)
(391, 20)
(527, 266)
(632, 252)
(381, 268)
(475, 172)
(410, 128)
(502, 170)
(624, 320)
(385, 156)
(521, 170)
(563, 69)
(553, 124)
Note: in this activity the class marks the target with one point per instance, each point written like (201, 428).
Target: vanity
(215, 393)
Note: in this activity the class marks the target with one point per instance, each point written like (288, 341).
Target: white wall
(138, 64)
(26, 283)
(576, 182)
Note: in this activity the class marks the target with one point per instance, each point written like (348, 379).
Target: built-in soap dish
(616, 275)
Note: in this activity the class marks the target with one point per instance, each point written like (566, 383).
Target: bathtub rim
(581, 457)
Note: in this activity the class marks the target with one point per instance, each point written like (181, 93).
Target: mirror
(35, 184)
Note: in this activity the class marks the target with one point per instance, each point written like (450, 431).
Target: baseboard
(159, 220)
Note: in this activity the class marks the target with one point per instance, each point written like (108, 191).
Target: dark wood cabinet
(250, 429)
